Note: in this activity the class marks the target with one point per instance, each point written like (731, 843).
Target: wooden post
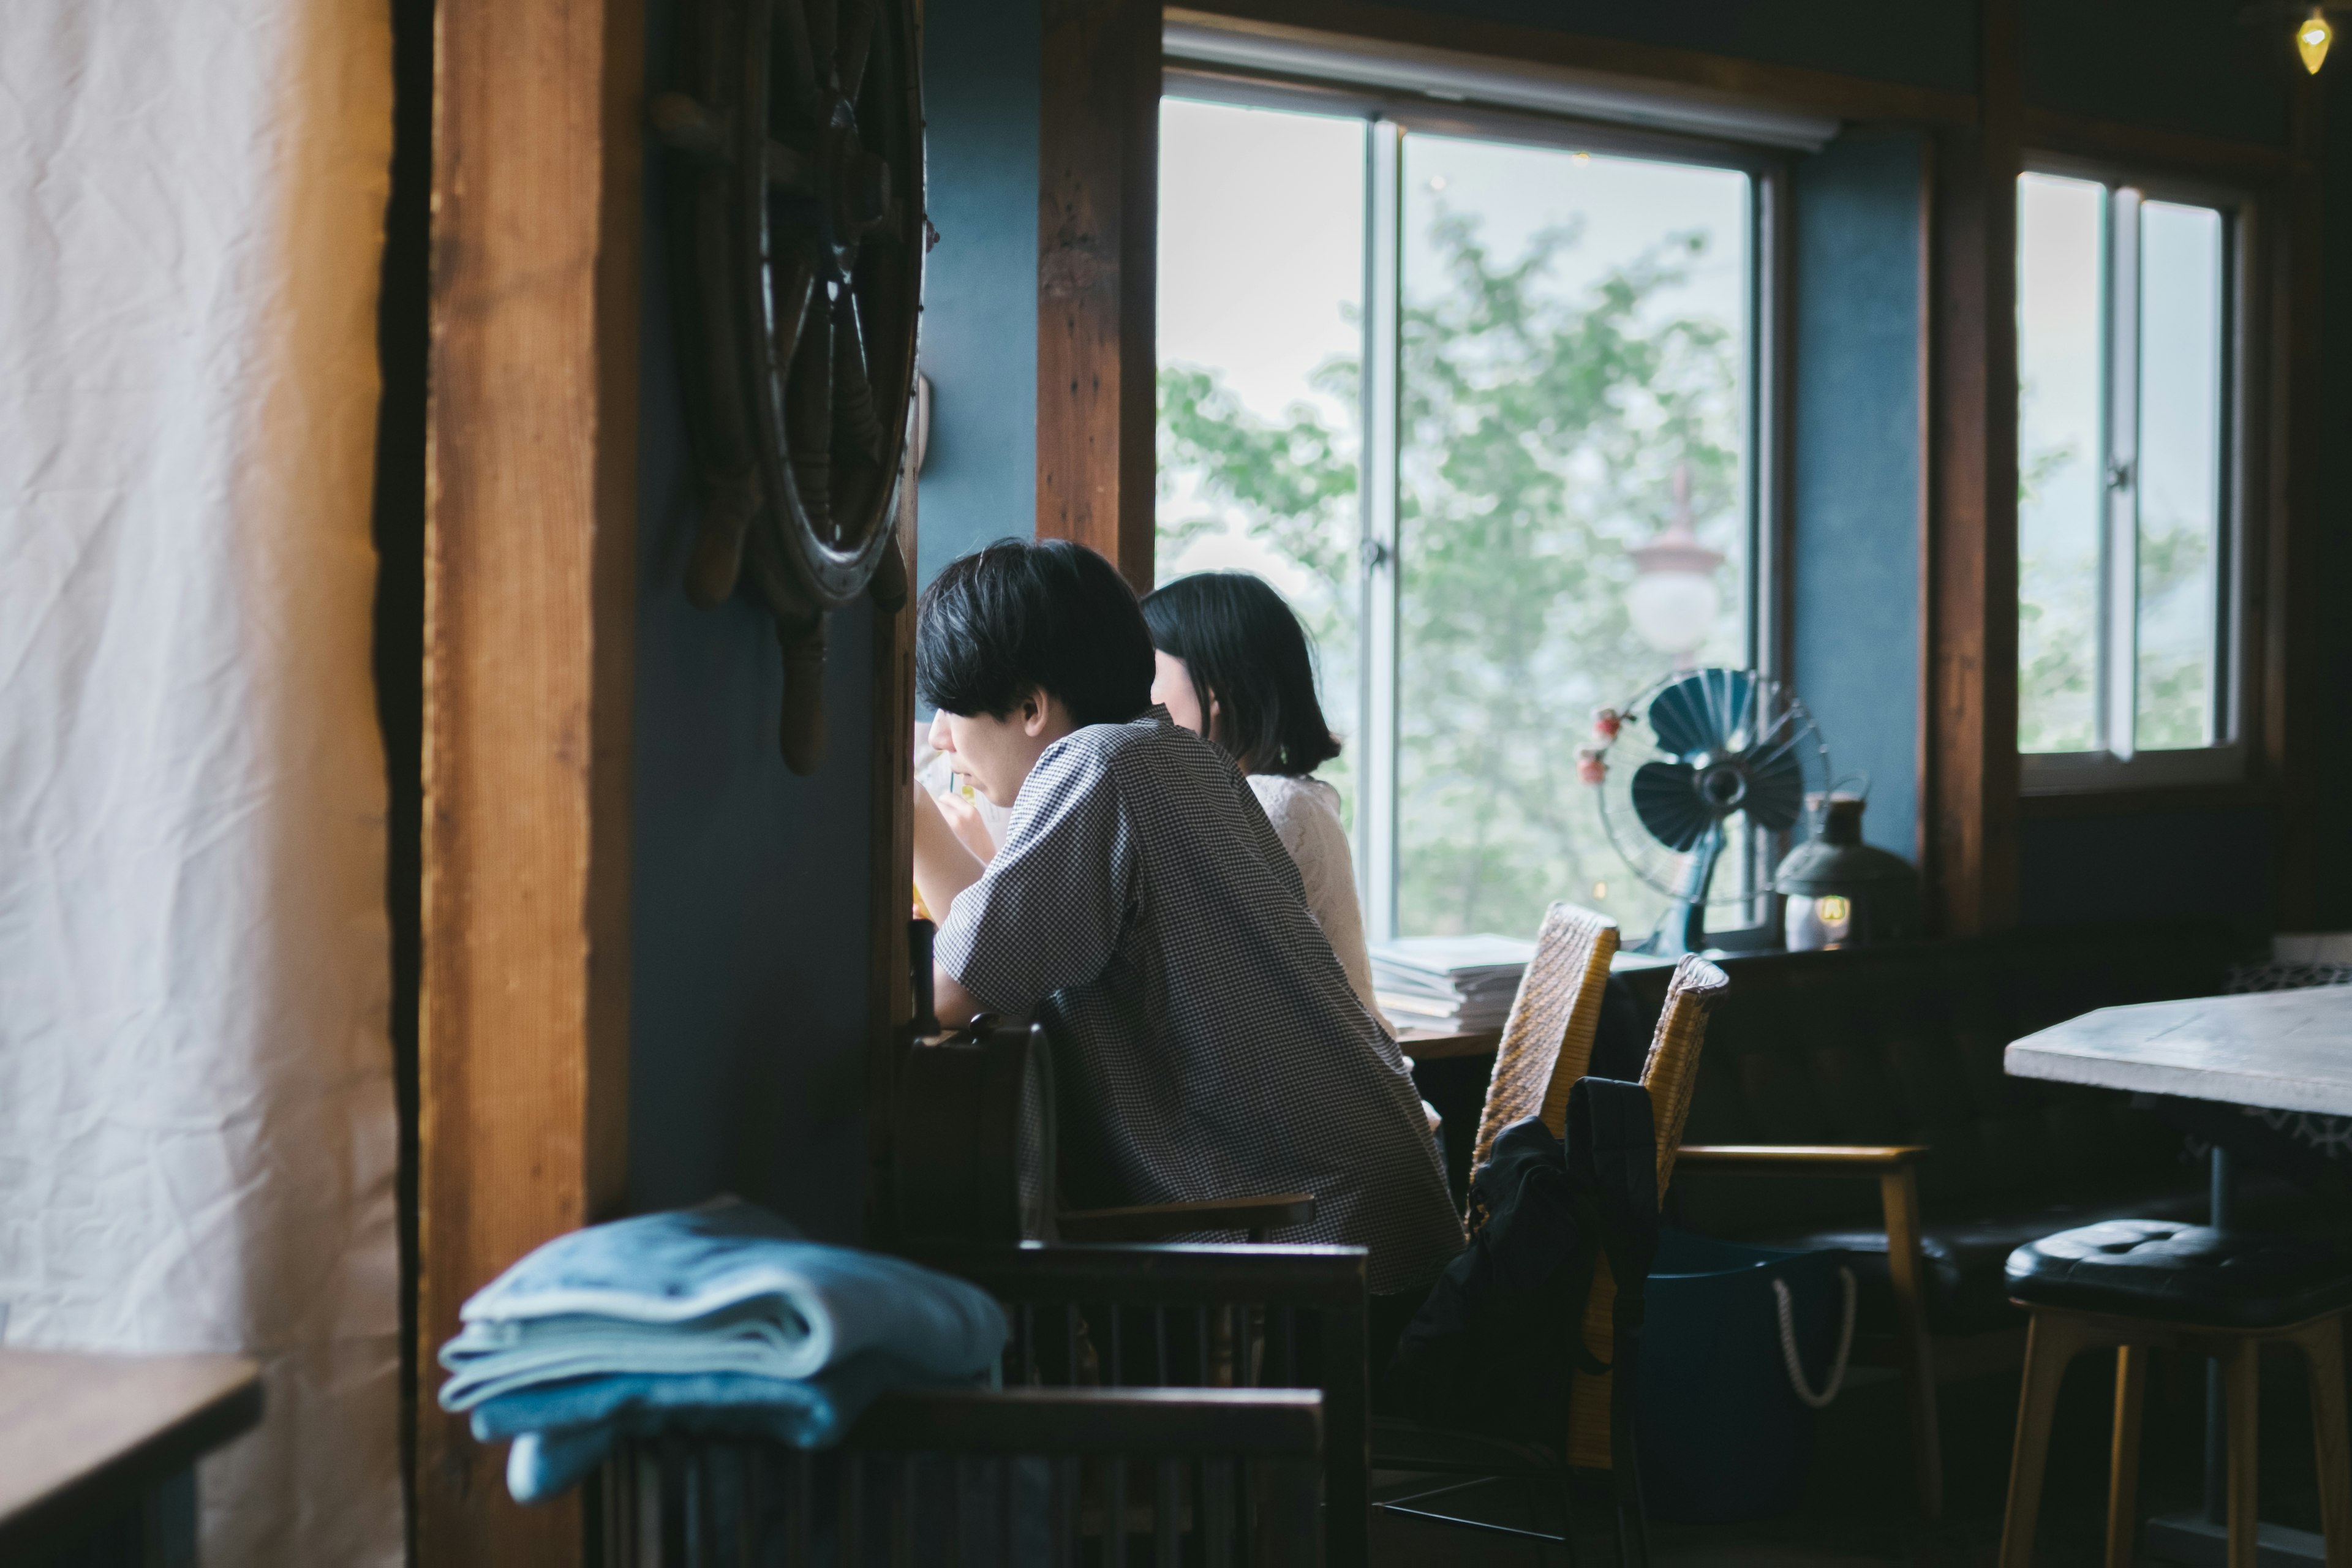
(1969, 784)
(537, 230)
(890, 994)
(1097, 227)
(2293, 707)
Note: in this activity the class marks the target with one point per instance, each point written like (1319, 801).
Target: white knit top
(1306, 816)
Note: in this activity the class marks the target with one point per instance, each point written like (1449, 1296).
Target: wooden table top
(1436, 1045)
(2283, 1050)
(80, 1431)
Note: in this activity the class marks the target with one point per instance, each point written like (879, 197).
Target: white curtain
(197, 1126)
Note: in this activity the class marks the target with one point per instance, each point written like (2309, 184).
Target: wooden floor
(1857, 1508)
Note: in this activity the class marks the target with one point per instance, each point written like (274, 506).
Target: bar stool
(2138, 1284)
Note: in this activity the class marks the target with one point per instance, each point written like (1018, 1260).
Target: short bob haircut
(1019, 615)
(1247, 652)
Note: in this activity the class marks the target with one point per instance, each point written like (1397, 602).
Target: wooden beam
(2050, 131)
(1789, 87)
(2293, 709)
(1097, 234)
(531, 601)
(1969, 785)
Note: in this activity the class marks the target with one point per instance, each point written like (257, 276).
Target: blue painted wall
(748, 885)
(1855, 466)
(980, 286)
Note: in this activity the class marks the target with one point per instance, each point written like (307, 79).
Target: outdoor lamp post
(1673, 600)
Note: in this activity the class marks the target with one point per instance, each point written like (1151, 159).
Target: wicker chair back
(1547, 1039)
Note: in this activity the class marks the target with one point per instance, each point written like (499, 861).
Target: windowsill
(2125, 800)
(2046, 774)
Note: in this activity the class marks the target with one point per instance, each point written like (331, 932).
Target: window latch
(1374, 554)
(2119, 476)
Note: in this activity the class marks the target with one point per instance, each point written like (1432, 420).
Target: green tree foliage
(1542, 435)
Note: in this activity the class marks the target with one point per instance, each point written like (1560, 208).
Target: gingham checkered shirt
(1206, 1042)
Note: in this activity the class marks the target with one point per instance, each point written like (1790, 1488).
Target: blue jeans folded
(726, 1288)
(563, 1430)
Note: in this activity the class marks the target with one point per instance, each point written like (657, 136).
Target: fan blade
(1776, 789)
(1697, 712)
(1665, 797)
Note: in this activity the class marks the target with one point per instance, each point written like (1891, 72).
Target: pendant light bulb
(2311, 38)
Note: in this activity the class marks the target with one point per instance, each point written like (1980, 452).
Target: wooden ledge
(1147, 1222)
(1801, 1159)
(1437, 1045)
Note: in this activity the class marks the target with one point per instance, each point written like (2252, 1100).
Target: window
(1443, 381)
(2124, 473)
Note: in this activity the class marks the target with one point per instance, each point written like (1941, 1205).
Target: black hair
(1247, 653)
(1033, 614)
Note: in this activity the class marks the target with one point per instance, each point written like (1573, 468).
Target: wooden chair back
(1196, 1317)
(1547, 1039)
(1669, 1073)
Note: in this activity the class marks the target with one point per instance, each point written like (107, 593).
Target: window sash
(1379, 843)
(2116, 761)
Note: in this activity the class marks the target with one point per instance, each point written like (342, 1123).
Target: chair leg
(2323, 1360)
(1898, 1194)
(2051, 1341)
(2242, 1386)
(2123, 1472)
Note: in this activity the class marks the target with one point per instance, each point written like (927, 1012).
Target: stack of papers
(1452, 983)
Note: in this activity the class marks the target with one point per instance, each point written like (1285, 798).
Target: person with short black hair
(1234, 665)
(1206, 1042)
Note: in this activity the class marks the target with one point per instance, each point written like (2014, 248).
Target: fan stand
(1683, 927)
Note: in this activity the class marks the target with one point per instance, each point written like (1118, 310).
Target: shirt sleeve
(1049, 910)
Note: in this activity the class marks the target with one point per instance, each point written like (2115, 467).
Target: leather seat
(2171, 1272)
(1967, 1293)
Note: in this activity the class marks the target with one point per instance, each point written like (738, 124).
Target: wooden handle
(801, 730)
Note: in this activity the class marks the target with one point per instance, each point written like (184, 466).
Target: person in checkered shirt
(1206, 1042)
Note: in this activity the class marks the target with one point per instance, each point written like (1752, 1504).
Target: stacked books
(1456, 983)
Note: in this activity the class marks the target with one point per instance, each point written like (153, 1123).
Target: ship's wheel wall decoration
(799, 240)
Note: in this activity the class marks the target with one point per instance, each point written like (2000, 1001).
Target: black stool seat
(2183, 1274)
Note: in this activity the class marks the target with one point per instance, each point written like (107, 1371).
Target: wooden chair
(1173, 1316)
(985, 1478)
(1668, 1073)
(1895, 1168)
(2139, 1285)
(974, 1151)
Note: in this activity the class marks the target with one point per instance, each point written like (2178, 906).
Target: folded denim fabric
(808, 1412)
(726, 1288)
(543, 1465)
(564, 1430)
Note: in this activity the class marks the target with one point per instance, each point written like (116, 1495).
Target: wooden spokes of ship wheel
(798, 243)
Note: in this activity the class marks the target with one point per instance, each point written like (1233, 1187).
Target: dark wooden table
(97, 1453)
(1439, 1044)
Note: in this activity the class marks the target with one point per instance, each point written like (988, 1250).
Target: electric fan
(1680, 763)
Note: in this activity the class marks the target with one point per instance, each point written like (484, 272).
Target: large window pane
(2180, 472)
(1261, 287)
(1574, 374)
(2060, 342)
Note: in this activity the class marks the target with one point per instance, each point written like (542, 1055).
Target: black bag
(1486, 1349)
